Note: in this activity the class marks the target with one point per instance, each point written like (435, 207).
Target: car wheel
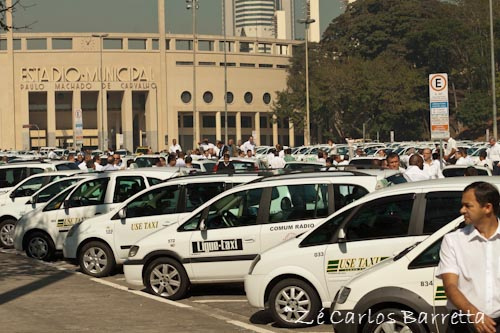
(393, 321)
(40, 246)
(294, 303)
(96, 259)
(167, 278)
(7, 233)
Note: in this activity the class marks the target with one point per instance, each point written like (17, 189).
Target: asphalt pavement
(54, 297)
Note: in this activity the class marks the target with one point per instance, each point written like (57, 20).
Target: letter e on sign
(438, 87)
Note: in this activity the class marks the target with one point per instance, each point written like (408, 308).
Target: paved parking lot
(55, 297)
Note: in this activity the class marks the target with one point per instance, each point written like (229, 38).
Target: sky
(137, 16)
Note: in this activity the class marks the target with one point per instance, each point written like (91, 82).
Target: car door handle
(249, 240)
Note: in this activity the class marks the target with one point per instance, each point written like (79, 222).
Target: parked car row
(298, 241)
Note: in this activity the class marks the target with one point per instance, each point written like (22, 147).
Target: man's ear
(488, 207)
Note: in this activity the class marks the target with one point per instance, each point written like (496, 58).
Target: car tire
(294, 303)
(7, 233)
(40, 246)
(394, 321)
(96, 259)
(166, 277)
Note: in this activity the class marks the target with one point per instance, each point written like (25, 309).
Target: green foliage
(373, 63)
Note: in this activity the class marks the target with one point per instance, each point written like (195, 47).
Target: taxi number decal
(351, 264)
(217, 245)
(426, 283)
(144, 225)
(440, 294)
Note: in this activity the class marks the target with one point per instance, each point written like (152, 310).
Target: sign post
(78, 128)
(439, 108)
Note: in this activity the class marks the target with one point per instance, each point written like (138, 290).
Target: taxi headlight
(254, 262)
(342, 295)
(73, 229)
(133, 251)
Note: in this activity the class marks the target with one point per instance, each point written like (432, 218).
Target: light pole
(101, 79)
(193, 6)
(225, 70)
(307, 125)
(493, 88)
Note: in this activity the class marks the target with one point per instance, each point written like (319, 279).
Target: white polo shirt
(476, 261)
(494, 152)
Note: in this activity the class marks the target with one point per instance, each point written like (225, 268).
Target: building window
(283, 66)
(208, 97)
(265, 65)
(246, 47)
(246, 122)
(17, 44)
(136, 44)
(209, 121)
(36, 43)
(155, 44)
(229, 97)
(228, 64)
(113, 44)
(282, 49)
(265, 48)
(3, 44)
(206, 45)
(62, 43)
(245, 64)
(186, 96)
(231, 120)
(230, 46)
(206, 63)
(266, 98)
(264, 122)
(184, 45)
(167, 44)
(188, 121)
(248, 97)
(184, 63)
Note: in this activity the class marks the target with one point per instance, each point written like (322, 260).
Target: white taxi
(295, 279)
(219, 240)
(42, 231)
(102, 242)
(12, 211)
(411, 300)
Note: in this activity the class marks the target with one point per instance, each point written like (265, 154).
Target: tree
(373, 65)
(4, 9)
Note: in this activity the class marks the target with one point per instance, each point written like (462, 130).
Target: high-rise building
(260, 18)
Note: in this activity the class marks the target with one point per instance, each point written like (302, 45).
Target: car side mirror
(67, 204)
(12, 195)
(122, 213)
(203, 226)
(341, 236)
(33, 199)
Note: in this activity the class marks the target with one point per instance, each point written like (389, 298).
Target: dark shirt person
(225, 166)
(469, 264)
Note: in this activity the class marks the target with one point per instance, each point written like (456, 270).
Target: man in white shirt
(463, 158)
(451, 148)
(175, 147)
(415, 171)
(52, 155)
(469, 264)
(248, 145)
(484, 160)
(333, 147)
(431, 167)
(494, 155)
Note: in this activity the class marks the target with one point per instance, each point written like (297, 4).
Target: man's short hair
(483, 154)
(391, 156)
(485, 193)
(171, 157)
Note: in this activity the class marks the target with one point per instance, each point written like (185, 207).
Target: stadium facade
(128, 90)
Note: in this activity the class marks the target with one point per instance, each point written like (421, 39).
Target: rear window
(67, 166)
